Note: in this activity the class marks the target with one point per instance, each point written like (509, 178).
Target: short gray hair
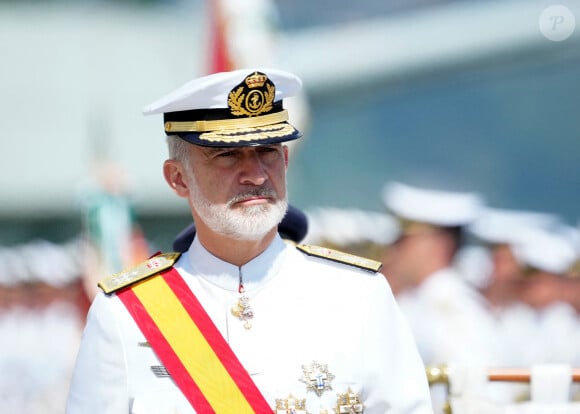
(178, 149)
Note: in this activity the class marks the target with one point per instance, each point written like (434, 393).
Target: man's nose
(253, 170)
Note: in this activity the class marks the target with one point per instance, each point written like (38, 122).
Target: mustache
(256, 192)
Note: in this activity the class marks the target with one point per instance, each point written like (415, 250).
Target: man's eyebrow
(214, 150)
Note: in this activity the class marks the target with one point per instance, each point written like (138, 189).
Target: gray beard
(247, 223)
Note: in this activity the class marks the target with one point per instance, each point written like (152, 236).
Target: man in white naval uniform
(315, 330)
(449, 318)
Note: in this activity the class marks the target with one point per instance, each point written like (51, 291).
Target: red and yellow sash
(200, 361)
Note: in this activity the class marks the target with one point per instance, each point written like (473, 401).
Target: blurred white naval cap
(548, 251)
(40, 261)
(508, 226)
(572, 233)
(51, 263)
(238, 108)
(343, 226)
(435, 207)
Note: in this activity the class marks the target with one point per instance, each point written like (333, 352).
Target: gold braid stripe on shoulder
(340, 257)
(140, 272)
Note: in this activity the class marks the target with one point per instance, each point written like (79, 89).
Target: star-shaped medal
(317, 378)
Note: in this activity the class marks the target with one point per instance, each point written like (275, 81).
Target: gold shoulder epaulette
(340, 257)
(140, 272)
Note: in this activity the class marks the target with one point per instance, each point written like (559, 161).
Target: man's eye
(266, 150)
(226, 154)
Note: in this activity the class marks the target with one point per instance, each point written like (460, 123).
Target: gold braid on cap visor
(249, 134)
(238, 123)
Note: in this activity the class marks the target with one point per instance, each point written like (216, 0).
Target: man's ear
(174, 173)
(285, 149)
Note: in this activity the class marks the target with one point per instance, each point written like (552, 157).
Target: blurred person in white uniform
(499, 231)
(529, 289)
(448, 316)
(548, 297)
(42, 309)
(242, 322)
(528, 305)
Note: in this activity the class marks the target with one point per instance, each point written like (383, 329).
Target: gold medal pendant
(349, 403)
(290, 405)
(242, 309)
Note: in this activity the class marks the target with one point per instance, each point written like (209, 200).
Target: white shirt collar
(199, 261)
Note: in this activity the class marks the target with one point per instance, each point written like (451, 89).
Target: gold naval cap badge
(253, 96)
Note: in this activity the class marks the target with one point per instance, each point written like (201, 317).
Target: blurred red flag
(219, 59)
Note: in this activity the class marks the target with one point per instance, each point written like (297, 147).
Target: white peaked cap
(496, 225)
(349, 225)
(549, 251)
(50, 263)
(573, 235)
(231, 109)
(211, 92)
(436, 207)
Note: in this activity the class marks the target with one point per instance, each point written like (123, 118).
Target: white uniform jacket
(451, 322)
(307, 311)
